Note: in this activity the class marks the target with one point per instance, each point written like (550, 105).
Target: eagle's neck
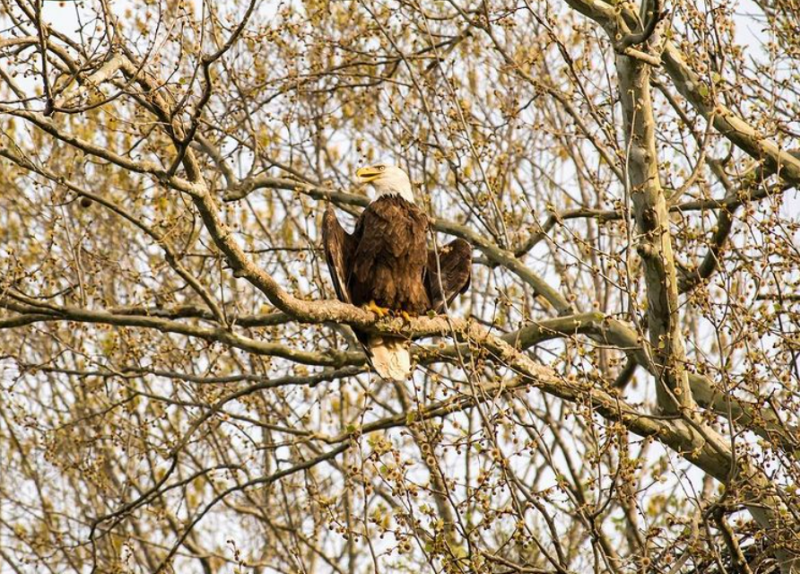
(403, 192)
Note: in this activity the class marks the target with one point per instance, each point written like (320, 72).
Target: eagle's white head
(387, 180)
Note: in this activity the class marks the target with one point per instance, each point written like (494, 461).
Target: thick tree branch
(34, 312)
(655, 248)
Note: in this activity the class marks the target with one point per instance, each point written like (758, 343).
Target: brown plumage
(386, 261)
(389, 262)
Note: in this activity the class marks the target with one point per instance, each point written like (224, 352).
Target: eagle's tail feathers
(390, 356)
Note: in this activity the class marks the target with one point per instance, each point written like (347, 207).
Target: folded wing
(339, 248)
(448, 273)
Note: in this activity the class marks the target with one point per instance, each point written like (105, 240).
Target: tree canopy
(618, 391)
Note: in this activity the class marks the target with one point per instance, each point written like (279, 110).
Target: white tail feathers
(390, 357)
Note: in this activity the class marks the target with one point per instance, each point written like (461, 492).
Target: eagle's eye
(381, 168)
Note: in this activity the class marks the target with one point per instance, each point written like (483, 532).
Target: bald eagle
(385, 264)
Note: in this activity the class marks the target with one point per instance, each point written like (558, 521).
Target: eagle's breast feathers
(388, 266)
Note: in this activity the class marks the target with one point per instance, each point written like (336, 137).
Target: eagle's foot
(381, 312)
(405, 316)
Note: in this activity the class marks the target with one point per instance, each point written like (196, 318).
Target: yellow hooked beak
(367, 174)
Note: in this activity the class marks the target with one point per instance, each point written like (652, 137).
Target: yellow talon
(405, 316)
(379, 311)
